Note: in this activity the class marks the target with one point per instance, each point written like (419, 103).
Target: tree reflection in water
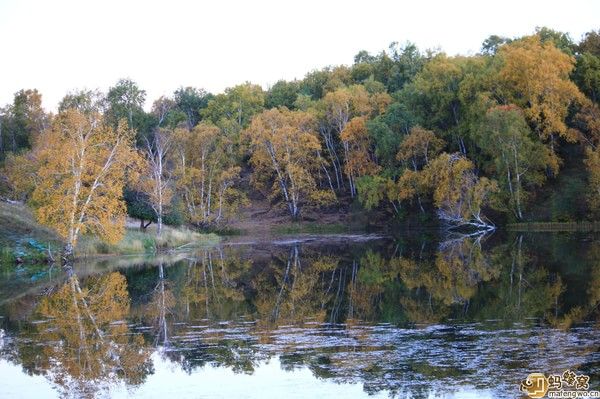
(87, 345)
(410, 317)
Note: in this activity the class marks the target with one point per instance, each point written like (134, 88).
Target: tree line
(402, 132)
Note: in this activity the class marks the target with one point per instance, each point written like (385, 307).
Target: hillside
(22, 237)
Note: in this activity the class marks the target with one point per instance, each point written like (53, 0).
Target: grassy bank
(138, 242)
(582, 226)
(23, 240)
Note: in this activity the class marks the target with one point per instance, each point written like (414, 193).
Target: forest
(508, 135)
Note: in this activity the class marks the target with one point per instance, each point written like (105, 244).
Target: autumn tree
(458, 193)
(88, 349)
(82, 169)
(334, 112)
(535, 76)
(165, 112)
(20, 172)
(205, 174)
(406, 182)
(418, 147)
(284, 145)
(357, 151)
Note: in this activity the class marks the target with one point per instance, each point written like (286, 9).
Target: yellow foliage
(20, 172)
(82, 171)
(285, 148)
(93, 347)
(458, 193)
(355, 138)
(205, 173)
(418, 146)
(535, 76)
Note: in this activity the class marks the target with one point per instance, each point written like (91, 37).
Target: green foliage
(86, 101)
(518, 161)
(587, 75)
(21, 121)
(125, 101)
(190, 102)
(282, 94)
(233, 110)
(590, 43)
(388, 130)
(138, 207)
(371, 190)
(561, 40)
(492, 43)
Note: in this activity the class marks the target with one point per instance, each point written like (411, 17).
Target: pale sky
(60, 45)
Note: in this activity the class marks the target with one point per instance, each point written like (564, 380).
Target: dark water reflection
(400, 318)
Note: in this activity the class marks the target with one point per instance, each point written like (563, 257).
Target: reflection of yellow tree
(298, 292)
(420, 309)
(92, 341)
(212, 284)
(453, 277)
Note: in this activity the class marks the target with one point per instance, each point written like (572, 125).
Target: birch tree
(458, 193)
(205, 174)
(156, 181)
(82, 169)
(284, 146)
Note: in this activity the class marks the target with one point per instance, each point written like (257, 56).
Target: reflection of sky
(15, 384)
(170, 381)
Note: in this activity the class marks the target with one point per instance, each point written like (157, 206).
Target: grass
(138, 242)
(311, 228)
(21, 237)
(581, 226)
(18, 222)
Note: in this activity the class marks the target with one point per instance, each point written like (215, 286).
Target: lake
(343, 316)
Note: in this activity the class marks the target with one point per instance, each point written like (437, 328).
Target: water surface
(320, 317)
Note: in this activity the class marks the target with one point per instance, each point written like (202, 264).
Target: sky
(61, 45)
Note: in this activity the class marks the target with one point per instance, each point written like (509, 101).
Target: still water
(351, 317)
